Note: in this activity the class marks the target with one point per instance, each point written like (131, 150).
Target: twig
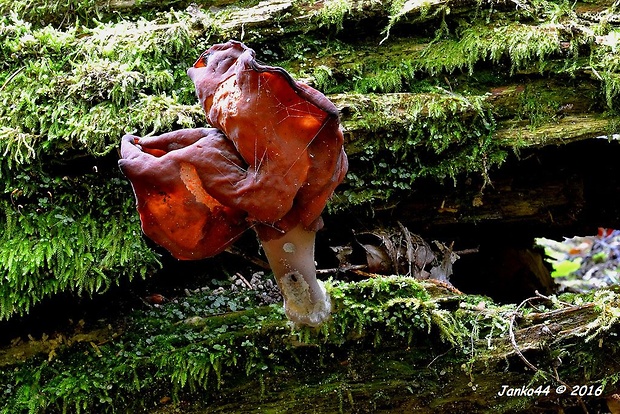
(467, 251)
(365, 274)
(340, 269)
(568, 387)
(511, 333)
(410, 250)
(513, 341)
(437, 357)
(513, 316)
(255, 260)
(10, 78)
(540, 295)
(244, 280)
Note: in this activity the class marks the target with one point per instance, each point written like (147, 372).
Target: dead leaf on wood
(443, 270)
(397, 250)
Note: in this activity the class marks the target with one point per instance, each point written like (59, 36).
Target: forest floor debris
(584, 263)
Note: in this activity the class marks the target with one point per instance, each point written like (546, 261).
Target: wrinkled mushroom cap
(175, 210)
(287, 133)
(276, 161)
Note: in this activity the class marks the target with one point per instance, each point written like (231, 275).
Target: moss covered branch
(435, 345)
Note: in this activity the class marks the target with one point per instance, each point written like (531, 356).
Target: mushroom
(282, 161)
(175, 210)
(288, 133)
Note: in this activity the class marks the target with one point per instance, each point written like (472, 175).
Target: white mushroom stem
(291, 258)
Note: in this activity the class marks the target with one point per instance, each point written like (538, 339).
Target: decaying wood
(427, 377)
(548, 343)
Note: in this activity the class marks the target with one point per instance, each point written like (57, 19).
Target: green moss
(440, 135)
(389, 68)
(609, 314)
(522, 45)
(333, 12)
(394, 65)
(55, 240)
(68, 94)
(53, 12)
(323, 77)
(70, 13)
(206, 342)
(384, 80)
(536, 112)
(605, 63)
(216, 348)
(91, 87)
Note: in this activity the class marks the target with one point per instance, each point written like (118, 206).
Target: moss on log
(434, 97)
(393, 344)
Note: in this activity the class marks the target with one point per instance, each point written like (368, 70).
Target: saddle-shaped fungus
(276, 162)
(175, 210)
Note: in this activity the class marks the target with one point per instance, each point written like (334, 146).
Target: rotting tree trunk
(562, 346)
(393, 345)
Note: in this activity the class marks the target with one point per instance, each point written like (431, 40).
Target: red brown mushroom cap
(175, 210)
(286, 132)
